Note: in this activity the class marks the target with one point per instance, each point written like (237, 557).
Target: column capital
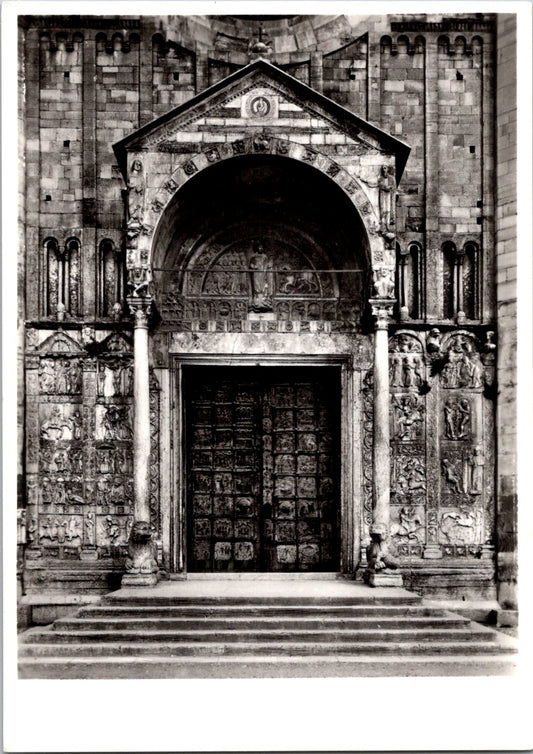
(382, 311)
(141, 308)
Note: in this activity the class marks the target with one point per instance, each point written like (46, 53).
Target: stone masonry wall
(506, 262)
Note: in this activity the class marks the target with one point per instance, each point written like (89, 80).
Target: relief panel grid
(263, 480)
(224, 475)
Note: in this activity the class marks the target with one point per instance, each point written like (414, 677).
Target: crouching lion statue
(141, 550)
(378, 554)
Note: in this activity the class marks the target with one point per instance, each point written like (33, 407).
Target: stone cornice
(447, 24)
(80, 22)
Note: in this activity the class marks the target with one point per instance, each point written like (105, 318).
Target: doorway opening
(262, 450)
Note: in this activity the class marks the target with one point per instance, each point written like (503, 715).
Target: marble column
(382, 566)
(141, 565)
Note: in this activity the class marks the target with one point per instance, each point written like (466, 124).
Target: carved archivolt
(146, 205)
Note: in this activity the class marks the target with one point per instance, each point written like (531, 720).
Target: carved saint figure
(101, 380)
(386, 186)
(383, 282)
(89, 528)
(47, 376)
(262, 280)
(395, 374)
(476, 462)
(117, 380)
(463, 418)
(73, 377)
(449, 419)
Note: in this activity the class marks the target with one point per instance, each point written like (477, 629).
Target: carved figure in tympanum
(463, 368)
(262, 280)
(290, 282)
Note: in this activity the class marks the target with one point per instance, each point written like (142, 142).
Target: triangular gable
(60, 343)
(230, 103)
(116, 343)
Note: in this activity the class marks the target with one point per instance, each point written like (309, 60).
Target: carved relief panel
(407, 376)
(80, 460)
(465, 512)
(442, 455)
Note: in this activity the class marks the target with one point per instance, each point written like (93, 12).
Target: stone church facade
(267, 300)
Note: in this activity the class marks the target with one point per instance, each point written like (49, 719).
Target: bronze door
(263, 459)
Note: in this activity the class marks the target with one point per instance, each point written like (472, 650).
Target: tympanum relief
(253, 285)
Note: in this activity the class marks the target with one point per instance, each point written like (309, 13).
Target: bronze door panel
(262, 449)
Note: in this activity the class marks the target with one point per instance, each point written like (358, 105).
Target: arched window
(449, 285)
(71, 276)
(62, 277)
(470, 280)
(460, 281)
(52, 276)
(111, 272)
(409, 280)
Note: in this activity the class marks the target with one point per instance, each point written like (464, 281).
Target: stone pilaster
(382, 567)
(141, 564)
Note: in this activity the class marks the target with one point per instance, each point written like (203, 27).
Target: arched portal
(260, 277)
(260, 237)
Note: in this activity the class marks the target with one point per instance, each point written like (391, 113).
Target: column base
(432, 552)
(139, 579)
(33, 554)
(383, 578)
(89, 554)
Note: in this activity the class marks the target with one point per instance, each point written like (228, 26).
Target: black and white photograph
(265, 353)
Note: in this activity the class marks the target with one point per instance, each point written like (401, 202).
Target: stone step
(273, 666)
(267, 610)
(270, 635)
(162, 600)
(239, 622)
(169, 648)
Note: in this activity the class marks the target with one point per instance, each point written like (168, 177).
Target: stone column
(382, 567)
(141, 564)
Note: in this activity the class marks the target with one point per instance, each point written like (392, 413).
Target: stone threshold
(263, 576)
